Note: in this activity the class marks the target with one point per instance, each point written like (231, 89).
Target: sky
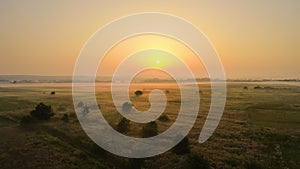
(254, 38)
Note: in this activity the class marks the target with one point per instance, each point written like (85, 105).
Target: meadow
(260, 128)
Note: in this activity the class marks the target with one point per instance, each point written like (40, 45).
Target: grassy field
(260, 128)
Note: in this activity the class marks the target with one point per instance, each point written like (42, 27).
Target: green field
(260, 128)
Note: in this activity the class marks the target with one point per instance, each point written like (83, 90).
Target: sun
(157, 61)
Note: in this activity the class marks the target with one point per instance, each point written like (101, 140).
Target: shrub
(150, 129)
(196, 161)
(42, 112)
(126, 107)
(182, 147)
(257, 87)
(86, 110)
(138, 92)
(65, 118)
(163, 117)
(80, 104)
(122, 126)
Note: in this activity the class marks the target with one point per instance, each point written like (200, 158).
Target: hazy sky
(254, 38)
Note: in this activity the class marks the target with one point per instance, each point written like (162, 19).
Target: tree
(123, 125)
(126, 107)
(42, 112)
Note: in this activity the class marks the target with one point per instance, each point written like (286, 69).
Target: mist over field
(259, 128)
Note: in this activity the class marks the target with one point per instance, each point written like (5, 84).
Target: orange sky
(255, 39)
(148, 42)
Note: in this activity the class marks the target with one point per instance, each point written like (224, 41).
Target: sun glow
(154, 59)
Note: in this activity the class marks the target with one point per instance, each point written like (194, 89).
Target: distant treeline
(68, 79)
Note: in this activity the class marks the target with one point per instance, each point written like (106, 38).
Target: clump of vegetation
(167, 91)
(245, 87)
(80, 104)
(277, 156)
(123, 125)
(257, 87)
(126, 107)
(268, 87)
(182, 147)
(65, 118)
(86, 110)
(150, 129)
(52, 93)
(42, 112)
(163, 118)
(196, 161)
(138, 92)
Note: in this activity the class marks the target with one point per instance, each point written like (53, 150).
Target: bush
(138, 92)
(126, 107)
(80, 104)
(42, 112)
(163, 118)
(167, 91)
(86, 110)
(122, 126)
(150, 129)
(196, 161)
(182, 147)
(65, 118)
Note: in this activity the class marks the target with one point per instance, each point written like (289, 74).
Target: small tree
(42, 112)
(123, 125)
(138, 92)
(126, 107)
